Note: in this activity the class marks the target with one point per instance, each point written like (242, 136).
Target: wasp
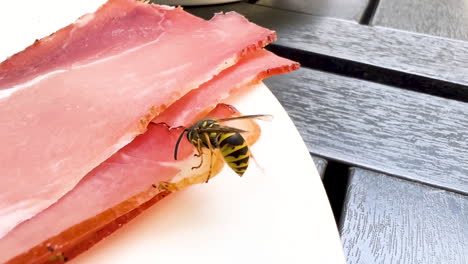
(212, 135)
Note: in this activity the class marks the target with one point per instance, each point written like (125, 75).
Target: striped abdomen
(235, 151)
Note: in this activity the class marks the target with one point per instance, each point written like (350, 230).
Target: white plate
(278, 213)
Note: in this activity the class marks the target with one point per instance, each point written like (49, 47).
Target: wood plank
(320, 164)
(447, 18)
(344, 9)
(390, 220)
(413, 135)
(418, 54)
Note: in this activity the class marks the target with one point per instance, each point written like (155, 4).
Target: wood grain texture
(417, 54)
(320, 164)
(400, 132)
(344, 9)
(389, 220)
(448, 18)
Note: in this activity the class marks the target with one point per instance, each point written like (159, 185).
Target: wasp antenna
(177, 144)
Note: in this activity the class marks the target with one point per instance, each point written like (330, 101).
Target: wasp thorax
(198, 133)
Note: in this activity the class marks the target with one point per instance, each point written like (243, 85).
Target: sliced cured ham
(76, 221)
(73, 99)
(95, 208)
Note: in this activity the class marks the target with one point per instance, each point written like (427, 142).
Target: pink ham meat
(143, 162)
(255, 67)
(76, 97)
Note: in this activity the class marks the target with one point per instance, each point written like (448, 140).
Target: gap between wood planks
(358, 70)
(369, 12)
(335, 182)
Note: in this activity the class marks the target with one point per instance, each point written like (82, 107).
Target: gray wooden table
(382, 103)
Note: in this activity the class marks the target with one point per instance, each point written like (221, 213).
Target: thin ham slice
(76, 97)
(236, 79)
(145, 161)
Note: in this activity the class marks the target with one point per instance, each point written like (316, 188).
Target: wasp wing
(260, 117)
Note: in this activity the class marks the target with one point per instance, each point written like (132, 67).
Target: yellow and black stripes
(235, 151)
(210, 134)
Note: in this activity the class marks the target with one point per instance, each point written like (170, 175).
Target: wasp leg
(262, 170)
(58, 257)
(167, 186)
(200, 154)
(211, 156)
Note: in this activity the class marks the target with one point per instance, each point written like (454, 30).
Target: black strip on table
(335, 181)
(374, 73)
(369, 12)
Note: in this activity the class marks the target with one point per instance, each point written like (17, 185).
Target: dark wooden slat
(389, 220)
(345, 9)
(413, 135)
(447, 18)
(320, 164)
(418, 54)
